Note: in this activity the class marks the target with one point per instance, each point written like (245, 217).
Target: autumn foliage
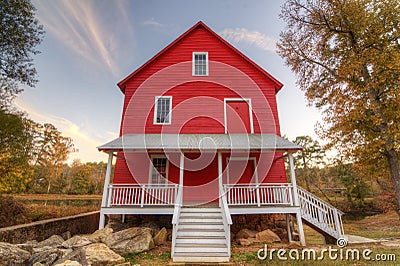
(346, 55)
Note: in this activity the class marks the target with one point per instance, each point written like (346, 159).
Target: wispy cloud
(83, 141)
(152, 22)
(255, 38)
(82, 28)
(168, 29)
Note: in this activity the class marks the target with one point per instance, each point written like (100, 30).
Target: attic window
(200, 64)
(162, 110)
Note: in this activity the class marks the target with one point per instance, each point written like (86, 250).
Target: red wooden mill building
(200, 140)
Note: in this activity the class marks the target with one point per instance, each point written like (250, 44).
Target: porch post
(105, 190)
(300, 228)
(220, 188)
(293, 179)
(181, 171)
(296, 200)
(288, 226)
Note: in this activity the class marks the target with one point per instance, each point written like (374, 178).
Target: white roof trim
(203, 142)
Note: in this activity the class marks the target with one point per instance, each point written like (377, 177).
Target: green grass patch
(148, 258)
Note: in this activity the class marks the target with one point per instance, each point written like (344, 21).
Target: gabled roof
(199, 24)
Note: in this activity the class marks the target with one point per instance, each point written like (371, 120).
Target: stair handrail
(175, 217)
(225, 208)
(226, 218)
(324, 208)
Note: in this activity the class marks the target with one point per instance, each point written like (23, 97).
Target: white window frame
(193, 63)
(255, 174)
(156, 110)
(151, 167)
(248, 100)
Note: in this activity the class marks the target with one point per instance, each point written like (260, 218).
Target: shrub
(12, 211)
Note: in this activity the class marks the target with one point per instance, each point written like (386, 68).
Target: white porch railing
(175, 218)
(226, 218)
(321, 214)
(259, 194)
(141, 195)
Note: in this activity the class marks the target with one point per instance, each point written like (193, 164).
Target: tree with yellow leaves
(346, 55)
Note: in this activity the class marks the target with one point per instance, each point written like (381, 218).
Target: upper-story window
(200, 64)
(162, 110)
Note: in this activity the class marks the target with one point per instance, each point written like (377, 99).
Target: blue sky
(89, 46)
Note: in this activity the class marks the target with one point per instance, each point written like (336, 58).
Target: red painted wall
(198, 102)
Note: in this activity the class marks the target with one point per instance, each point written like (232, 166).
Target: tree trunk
(48, 187)
(393, 162)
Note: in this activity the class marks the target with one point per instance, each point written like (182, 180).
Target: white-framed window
(158, 170)
(163, 110)
(200, 64)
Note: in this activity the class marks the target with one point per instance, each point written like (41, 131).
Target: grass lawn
(377, 226)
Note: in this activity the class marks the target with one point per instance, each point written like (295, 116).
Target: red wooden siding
(197, 105)
(142, 97)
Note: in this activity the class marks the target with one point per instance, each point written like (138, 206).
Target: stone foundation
(255, 222)
(260, 222)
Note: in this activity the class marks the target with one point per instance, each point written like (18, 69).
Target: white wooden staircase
(320, 215)
(201, 236)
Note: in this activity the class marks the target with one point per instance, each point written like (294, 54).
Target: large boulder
(100, 234)
(98, 254)
(27, 246)
(161, 237)
(45, 256)
(132, 240)
(53, 241)
(246, 233)
(78, 255)
(246, 241)
(69, 263)
(12, 255)
(76, 242)
(267, 236)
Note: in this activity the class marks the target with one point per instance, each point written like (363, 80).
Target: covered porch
(253, 195)
(235, 197)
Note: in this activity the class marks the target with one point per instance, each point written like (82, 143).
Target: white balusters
(252, 194)
(141, 195)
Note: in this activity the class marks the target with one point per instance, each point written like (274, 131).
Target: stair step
(201, 245)
(203, 249)
(198, 233)
(195, 226)
(205, 240)
(200, 215)
(201, 220)
(201, 257)
(203, 237)
(200, 210)
(202, 254)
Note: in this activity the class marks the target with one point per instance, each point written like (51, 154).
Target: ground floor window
(159, 170)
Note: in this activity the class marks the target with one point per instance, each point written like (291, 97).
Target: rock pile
(103, 247)
(246, 237)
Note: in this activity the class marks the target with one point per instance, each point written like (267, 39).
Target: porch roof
(203, 142)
